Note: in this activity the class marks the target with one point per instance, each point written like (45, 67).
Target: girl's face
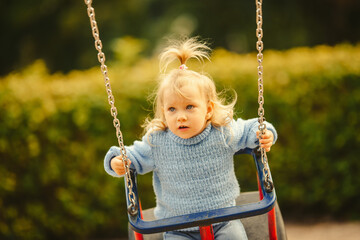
(186, 116)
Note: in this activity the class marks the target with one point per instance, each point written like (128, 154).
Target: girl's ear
(210, 110)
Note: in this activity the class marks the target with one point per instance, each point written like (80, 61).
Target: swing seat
(248, 207)
(256, 227)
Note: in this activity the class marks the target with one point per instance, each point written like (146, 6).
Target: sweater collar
(190, 141)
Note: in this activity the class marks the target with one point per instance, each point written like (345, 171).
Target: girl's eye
(189, 107)
(171, 109)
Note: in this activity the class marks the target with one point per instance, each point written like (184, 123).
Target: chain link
(132, 209)
(261, 110)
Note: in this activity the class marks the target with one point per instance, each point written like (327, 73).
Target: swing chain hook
(261, 111)
(133, 207)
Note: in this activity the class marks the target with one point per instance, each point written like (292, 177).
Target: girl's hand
(117, 164)
(266, 140)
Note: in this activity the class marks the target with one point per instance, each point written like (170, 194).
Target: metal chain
(132, 209)
(261, 110)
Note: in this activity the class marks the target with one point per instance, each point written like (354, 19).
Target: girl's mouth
(183, 127)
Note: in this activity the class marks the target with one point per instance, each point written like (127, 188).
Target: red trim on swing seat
(206, 232)
(272, 224)
(271, 216)
(139, 236)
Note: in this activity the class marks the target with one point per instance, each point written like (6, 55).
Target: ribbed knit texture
(195, 174)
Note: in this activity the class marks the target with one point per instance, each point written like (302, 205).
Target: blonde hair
(184, 50)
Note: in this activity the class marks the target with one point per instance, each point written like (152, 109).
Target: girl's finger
(266, 145)
(268, 134)
(265, 141)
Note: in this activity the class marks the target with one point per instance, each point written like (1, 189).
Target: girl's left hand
(266, 140)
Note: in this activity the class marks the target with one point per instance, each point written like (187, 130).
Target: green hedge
(55, 130)
(312, 96)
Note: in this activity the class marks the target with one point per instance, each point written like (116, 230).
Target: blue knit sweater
(195, 174)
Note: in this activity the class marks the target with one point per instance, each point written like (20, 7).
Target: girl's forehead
(187, 91)
(183, 94)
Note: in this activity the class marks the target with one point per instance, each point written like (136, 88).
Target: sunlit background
(55, 122)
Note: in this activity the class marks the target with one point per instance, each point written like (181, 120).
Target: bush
(312, 98)
(55, 130)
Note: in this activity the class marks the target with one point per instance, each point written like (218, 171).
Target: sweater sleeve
(139, 154)
(242, 133)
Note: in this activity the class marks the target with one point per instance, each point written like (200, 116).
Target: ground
(323, 231)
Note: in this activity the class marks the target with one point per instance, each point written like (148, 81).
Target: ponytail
(184, 50)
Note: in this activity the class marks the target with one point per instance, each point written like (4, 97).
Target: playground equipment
(251, 211)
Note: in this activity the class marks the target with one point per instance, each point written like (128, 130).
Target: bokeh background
(55, 123)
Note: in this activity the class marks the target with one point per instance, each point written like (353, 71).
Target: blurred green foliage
(56, 128)
(58, 31)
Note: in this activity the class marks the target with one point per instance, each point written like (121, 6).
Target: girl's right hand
(117, 164)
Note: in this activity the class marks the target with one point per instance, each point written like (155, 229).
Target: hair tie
(183, 67)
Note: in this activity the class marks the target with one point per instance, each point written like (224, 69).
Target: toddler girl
(189, 145)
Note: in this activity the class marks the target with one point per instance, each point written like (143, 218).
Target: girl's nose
(181, 117)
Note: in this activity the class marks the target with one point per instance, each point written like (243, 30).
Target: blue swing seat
(256, 227)
(208, 217)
